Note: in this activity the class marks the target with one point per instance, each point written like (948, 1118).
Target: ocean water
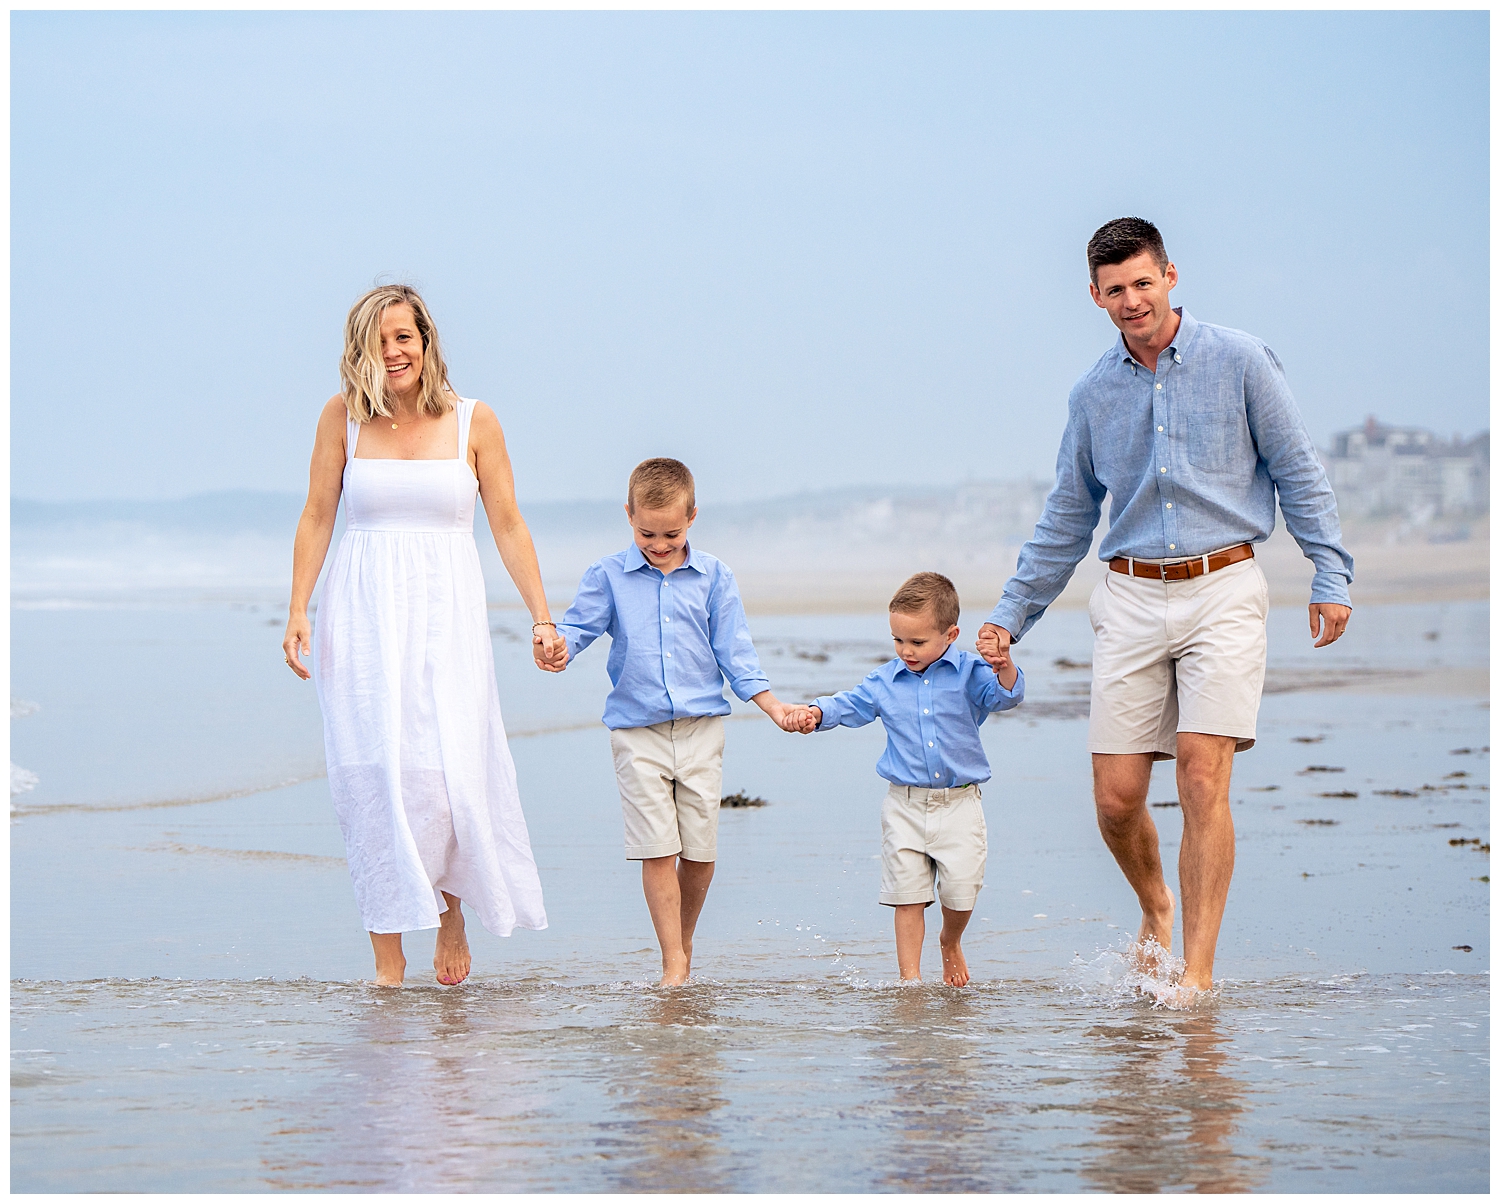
(189, 1011)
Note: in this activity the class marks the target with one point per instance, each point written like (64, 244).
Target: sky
(799, 251)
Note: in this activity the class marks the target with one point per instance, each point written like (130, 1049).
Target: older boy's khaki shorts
(927, 834)
(1177, 656)
(670, 776)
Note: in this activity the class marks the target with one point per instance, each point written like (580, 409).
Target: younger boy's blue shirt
(675, 637)
(931, 718)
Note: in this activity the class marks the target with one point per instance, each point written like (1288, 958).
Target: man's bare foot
(451, 957)
(955, 967)
(674, 971)
(1182, 995)
(1155, 937)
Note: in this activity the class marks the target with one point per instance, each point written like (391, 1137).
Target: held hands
(801, 719)
(548, 648)
(993, 644)
(1335, 619)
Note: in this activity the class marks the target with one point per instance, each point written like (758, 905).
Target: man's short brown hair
(928, 590)
(660, 484)
(1122, 239)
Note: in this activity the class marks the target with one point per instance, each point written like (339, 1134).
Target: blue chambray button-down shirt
(931, 718)
(1192, 457)
(675, 637)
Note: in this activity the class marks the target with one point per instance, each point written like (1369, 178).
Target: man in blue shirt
(932, 699)
(1192, 433)
(677, 630)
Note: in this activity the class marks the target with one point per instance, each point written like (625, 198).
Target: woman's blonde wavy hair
(362, 370)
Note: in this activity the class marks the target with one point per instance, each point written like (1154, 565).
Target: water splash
(1129, 973)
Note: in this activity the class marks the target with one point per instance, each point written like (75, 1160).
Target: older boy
(932, 699)
(677, 630)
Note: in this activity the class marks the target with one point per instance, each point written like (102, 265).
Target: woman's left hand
(549, 649)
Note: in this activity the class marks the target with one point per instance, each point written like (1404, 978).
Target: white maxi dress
(421, 775)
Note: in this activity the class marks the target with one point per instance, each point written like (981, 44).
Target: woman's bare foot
(955, 966)
(390, 962)
(451, 957)
(1155, 937)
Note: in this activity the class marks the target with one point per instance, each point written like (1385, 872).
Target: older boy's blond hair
(660, 484)
(924, 590)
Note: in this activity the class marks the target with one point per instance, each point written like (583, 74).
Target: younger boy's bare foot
(955, 966)
(1155, 937)
(451, 958)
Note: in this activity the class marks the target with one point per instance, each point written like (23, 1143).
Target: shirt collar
(951, 656)
(1186, 329)
(636, 559)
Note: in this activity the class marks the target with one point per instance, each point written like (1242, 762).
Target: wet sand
(205, 957)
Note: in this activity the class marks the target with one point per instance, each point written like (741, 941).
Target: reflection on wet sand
(938, 1095)
(431, 1094)
(1168, 1122)
(666, 1080)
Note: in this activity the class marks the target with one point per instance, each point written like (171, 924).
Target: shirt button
(1169, 505)
(925, 682)
(937, 775)
(1171, 547)
(1158, 386)
(929, 744)
(924, 710)
(1164, 470)
(669, 656)
(1177, 359)
(1161, 428)
(666, 618)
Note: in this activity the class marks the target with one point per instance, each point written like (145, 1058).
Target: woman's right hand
(298, 643)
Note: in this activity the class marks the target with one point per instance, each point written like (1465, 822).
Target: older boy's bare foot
(451, 957)
(674, 971)
(955, 967)
(1155, 937)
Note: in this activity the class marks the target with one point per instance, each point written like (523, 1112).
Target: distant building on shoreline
(1407, 472)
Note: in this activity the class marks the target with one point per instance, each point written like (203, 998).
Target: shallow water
(529, 1085)
(187, 1014)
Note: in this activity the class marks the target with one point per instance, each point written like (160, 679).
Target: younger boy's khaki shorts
(1177, 656)
(670, 776)
(932, 834)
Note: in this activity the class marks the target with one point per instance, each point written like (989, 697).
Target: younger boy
(678, 630)
(932, 699)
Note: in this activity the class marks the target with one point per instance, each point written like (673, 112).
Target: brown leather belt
(1182, 570)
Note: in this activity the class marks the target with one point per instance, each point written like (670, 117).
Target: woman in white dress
(418, 766)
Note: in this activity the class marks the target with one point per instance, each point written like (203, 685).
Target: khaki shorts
(932, 834)
(670, 776)
(1177, 656)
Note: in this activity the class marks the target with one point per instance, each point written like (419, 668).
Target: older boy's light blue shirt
(931, 718)
(1192, 458)
(675, 637)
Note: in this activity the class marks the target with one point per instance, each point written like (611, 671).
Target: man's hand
(549, 649)
(993, 643)
(1333, 619)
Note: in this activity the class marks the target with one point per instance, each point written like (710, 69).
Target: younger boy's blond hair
(660, 484)
(922, 591)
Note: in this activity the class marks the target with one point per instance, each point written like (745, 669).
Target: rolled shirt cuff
(1330, 587)
(746, 688)
(1010, 614)
(829, 709)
